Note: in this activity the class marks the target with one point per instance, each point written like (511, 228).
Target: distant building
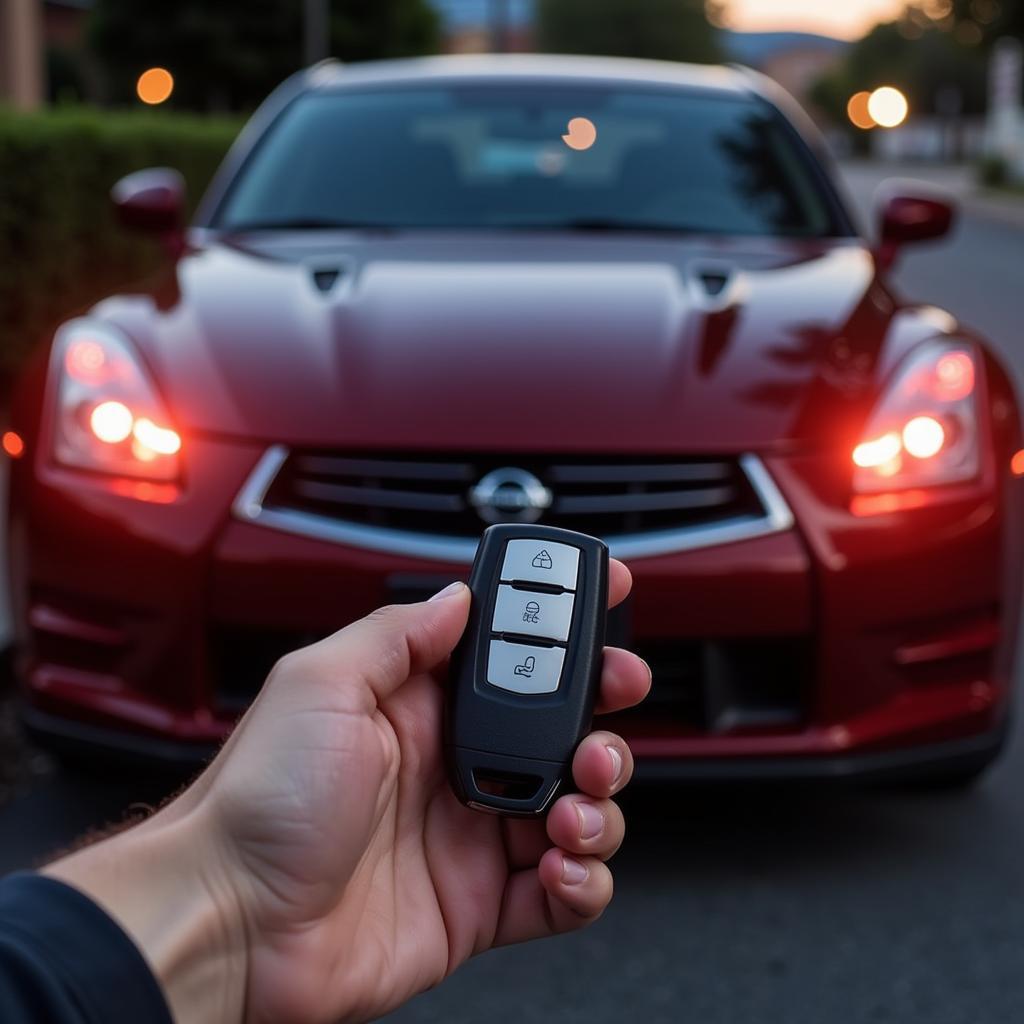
(481, 26)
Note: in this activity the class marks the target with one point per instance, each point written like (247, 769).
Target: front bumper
(844, 646)
(907, 764)
(68, 736)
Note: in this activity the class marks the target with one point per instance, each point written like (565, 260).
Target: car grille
(433, 495)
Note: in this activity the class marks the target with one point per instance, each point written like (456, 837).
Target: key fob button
(540, 561)
(533, 613)
(520, 668)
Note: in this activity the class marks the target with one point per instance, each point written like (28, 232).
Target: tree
(228, 55)
(664, 29)
(922, 59)
(374, 29)
(976, 21)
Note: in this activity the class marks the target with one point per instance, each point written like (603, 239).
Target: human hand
(339, 874)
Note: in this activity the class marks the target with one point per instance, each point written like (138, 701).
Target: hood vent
(325, 278)
(714, 281)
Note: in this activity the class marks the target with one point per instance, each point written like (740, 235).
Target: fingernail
(616, 762)
(573, 872)
(591, 821)
(450, 591)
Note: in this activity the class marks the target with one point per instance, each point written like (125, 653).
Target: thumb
(382, 650)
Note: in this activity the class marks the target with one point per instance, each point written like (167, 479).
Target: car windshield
(531, 157)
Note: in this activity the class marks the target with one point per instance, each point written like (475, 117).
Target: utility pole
(21, 53)
(316, 30)
(499, 26)
(1005, 121)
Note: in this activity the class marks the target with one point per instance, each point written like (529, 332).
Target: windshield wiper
(309, 224)
(603, 224)
(579, 224)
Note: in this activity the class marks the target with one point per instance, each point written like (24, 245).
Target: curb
(995, 207)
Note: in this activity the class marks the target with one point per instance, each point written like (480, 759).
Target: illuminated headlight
(924, 430)
(108, 416)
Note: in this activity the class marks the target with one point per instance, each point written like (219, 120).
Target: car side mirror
(152, 201)
(909, 212)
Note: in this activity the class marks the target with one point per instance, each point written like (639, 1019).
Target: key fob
(525, 674)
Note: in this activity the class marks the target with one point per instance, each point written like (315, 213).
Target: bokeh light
(13, 444)
(923, 437)
(161, 440)
(877, 452)
(111, 422)
(86, 361)
(857, 110)
(888, 107)
(155, 86)
(582, 133)
(954, 374)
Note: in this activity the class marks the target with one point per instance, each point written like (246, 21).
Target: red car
(621, 296)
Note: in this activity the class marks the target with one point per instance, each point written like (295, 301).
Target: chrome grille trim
(667, 500)
(249, 507)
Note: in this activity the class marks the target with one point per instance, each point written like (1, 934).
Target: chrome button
(539, 561)
(527, 611)
(520, 668)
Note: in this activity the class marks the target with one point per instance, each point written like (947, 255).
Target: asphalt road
(798, 906)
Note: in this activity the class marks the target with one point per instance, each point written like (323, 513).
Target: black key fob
(526, 672)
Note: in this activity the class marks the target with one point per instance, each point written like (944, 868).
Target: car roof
(522, 67)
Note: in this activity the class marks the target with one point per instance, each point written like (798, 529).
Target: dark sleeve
(64, 961)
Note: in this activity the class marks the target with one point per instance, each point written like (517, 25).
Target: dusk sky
(846, 19)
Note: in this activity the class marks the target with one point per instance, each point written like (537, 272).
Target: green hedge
(60, 246)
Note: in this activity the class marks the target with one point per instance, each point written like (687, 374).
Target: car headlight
(108, 416)
(924, 430)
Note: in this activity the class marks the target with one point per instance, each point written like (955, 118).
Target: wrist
(165, 883)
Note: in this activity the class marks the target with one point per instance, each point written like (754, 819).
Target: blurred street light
(155, 86)
(888, 107)
(857, 110)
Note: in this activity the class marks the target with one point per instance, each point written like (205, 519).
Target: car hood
(510, 344)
